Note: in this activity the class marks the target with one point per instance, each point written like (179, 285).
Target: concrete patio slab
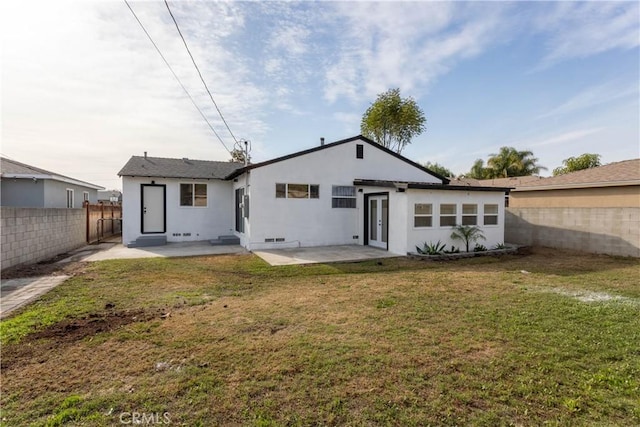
(322, 254)
(17, 292)
(181, 249)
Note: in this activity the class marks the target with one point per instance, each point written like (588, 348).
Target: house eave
(426, 186)
(171, 177)
(51, 177)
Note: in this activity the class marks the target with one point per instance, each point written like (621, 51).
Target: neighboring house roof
(426, 185)
(13, 169)
(616, 174)
(514, 181)
(177, 168)
(108, 194)
(333, 144)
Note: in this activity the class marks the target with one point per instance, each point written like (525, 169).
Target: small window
(423, 215)
(359, 151)
(490, 214)
(343, 196)
(69, 198)
(85, 196)
(297, 191)
(448, 215)
(314, 191)
(193, 195)
(469, 214)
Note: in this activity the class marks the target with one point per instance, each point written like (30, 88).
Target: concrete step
(146, 241)
(225, 240)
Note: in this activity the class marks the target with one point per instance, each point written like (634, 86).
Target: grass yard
(552, 338)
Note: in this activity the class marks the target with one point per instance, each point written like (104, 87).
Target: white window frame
(343, 194)
(496, 214)
(454, 215)
(309, 192)
(193, 195)
(85, 196)
(417, 215)
(470, 217)
(70, 200)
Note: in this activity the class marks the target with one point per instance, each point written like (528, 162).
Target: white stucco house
(352, 191)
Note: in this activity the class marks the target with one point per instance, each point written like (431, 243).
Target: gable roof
(331, 145)
(626, 172)
(13, 169)
(177, 168)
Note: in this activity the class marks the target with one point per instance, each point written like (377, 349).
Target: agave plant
(468, 234)
(431, 248)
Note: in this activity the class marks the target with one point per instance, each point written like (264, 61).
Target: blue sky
(83, 89)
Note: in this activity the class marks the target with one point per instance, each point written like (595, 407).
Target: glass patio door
(378, 219)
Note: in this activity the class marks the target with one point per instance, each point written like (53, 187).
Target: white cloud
(593, 96)
(83, 88)
(407, 47)
(562, 138)
(581, 29)
(291, 40)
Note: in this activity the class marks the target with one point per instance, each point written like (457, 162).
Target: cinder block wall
(612, 231)
(30, 235)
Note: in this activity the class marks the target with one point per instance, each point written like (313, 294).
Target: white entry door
(153, 209)
(378, 221)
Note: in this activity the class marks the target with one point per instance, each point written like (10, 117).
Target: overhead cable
(176, 77)
(198, 70)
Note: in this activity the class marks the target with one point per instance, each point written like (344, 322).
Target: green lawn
(550, 338)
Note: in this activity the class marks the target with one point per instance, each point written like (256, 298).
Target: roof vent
(321, 140)
(145, 154)
(184, 159)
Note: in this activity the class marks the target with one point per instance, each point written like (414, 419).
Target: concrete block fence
(611, 231)
(30, 235)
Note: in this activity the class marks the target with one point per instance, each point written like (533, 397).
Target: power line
(198, 70)
(176, 77)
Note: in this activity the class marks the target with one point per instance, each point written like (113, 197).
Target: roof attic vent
(184, 159)
(145, 154)
(322, 141)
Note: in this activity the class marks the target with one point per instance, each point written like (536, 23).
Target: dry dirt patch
(70, 331)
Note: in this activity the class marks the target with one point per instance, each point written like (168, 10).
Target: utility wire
(177, 78)
(198, 70)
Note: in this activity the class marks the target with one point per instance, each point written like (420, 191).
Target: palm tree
(511, 162)
(478, 171)
(468, 234)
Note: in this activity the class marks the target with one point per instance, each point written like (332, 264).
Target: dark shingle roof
(177, 168)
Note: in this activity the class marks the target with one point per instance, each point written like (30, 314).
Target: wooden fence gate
(103, 220)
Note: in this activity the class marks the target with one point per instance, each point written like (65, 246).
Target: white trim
(73, 197)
